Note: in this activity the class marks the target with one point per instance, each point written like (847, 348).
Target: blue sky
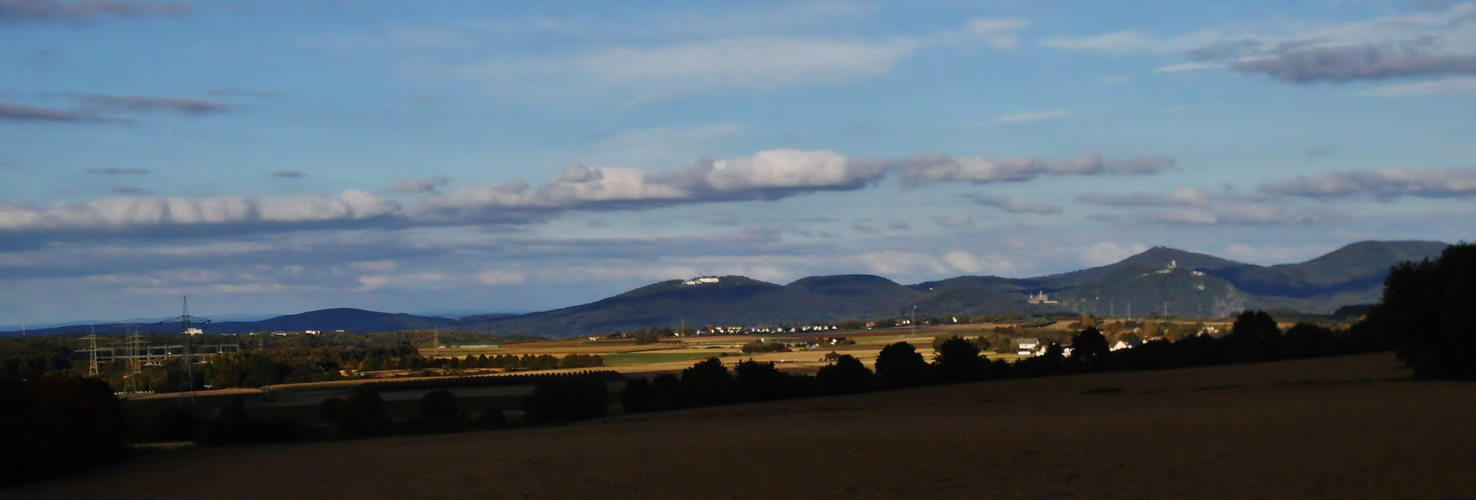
(283, 156)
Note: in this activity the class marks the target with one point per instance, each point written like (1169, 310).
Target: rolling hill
(1158, 280)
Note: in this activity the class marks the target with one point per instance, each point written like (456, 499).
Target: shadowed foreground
(1350, 427)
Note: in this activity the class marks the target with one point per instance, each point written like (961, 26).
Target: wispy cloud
(118, 171)
(20, 11)
(998, 32)
(1445, 86)
(1423, 44)
(414, 186)
(1117, 41)
(148, 104)
(1034, 116)
(1383, 184)
(288, 174)
(1181, 197)
(22, 113)
(982, 170)
(659, 71)
(1011, 206)
(1189, 66)
(954, 220)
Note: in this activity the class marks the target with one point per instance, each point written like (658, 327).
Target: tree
(900, 365)
(1425, 314)
(1304, 340)
(845, 376)
(1089, 344)
(1256, 333)
(754, 380)
(957, 359)
(439, 406)
(637, 394)
(705, 383)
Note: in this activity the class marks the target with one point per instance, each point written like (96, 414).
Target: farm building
(1027, 347)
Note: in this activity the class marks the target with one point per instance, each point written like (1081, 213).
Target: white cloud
(998, 32)
(1118, 41)
(1034, 116)
(1189, 66)
(129, 213)
(1445, 86)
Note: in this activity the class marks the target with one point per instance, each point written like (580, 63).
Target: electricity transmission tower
(130, 385)
(92, 352)
(187, 378)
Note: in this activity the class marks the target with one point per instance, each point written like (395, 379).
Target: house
(1040, 299)
(1027, 347)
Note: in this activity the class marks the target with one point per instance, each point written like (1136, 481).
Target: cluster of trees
(709, 382)
(1425, 311)
(56, 424)
(1254, 336)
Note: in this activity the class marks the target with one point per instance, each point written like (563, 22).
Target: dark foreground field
(1350, 427)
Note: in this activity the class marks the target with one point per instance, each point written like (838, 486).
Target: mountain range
(1159, 280)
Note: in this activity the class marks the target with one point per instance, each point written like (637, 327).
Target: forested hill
(1158, 280)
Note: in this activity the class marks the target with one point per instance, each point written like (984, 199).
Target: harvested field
(1350, 427)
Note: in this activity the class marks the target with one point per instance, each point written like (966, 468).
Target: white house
(1027, 347)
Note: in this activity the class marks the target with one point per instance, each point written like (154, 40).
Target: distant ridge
(1158, 280)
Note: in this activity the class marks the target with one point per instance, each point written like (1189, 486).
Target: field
(1349, 427)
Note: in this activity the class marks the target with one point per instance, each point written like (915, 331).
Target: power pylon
(130, 385)
(187, 379)
(92, 353)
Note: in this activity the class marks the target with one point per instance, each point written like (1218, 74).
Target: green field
(641, 358)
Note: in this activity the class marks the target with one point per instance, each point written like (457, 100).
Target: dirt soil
(1350, 427)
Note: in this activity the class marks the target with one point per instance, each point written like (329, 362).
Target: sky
(281, 156)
